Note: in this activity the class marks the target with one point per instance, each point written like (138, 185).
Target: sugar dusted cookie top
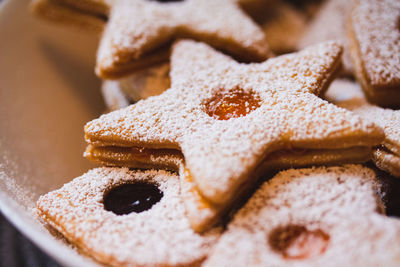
(348, 94)
(376, 29)
(138, 28)
(159, 236)
(312, 217)
(276, 108)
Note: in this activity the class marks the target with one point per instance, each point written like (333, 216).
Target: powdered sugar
(348, 95)
(340, 201)
(376, 30)
(136, 28)
(159, 236)
(221, 154)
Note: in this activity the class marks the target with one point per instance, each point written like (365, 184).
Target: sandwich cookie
(374, 33)
(312, 217)
(349, 95)
(226, 118)
(125, 217)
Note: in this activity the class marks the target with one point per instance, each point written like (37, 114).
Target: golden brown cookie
(94, 7)
(348, 94)
(138, 32)
(312, 217)
(374, 33)
(330, 24)
(130, 218)
(226, 117)
(59, 12)
(202, 213)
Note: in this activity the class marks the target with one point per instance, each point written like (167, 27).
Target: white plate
(48, 91)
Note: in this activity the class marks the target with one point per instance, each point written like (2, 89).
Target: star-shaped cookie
(348, 94)
(138, 31)
(226, 117)
(125, 217)
(312, 217)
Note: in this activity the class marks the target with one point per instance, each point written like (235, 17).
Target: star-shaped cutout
(222, 154)
(138, 31)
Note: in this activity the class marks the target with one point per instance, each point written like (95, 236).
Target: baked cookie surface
(160, 235)
(348, 94)
(375, 49)
(276, 109)
(312, 217)
(59, 11)
(138, 32)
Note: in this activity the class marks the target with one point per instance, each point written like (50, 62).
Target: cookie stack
(188, 170)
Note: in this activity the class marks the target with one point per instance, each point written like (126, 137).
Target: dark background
(16, 250)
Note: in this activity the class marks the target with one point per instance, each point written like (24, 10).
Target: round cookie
(312, 217)
(155, 233)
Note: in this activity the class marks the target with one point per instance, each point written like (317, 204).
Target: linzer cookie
(330, 24)
(226, 117)
(374, 32)
(131, 218)
(348, 95)
(138, 32)
(312, 217)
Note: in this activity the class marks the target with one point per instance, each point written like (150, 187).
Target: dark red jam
(136, 197)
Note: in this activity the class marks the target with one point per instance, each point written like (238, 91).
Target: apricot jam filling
(232, 104)
(297, 242)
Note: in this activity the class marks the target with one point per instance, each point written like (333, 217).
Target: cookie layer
(160, 236)
(348, 95)
(138, 32)
(223, 154)
(375, 49)
(58, 12)
(312, 217)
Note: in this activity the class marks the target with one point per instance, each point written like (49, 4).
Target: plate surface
(48, 91)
